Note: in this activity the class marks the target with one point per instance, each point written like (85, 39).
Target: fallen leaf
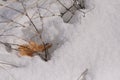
(31, 48)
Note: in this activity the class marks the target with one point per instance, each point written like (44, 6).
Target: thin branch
(70, 19)
(13, 36)
(68, 9)
(5, 43)
(62, 4)
(8, 64)
(4, 21)
(8, 73)
(29, 17)
(12, 8)
(45, 16)
(47, 10)
(41, 19)
(12, 21)
(8, 30)
(82, 76)
(8, 46)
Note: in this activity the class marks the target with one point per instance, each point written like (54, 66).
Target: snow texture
(88, 42)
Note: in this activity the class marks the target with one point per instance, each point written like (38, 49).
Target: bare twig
(29, 17)
(8, 73)
(12, 21)
(69, 19)
(5, 43)
(8, 46)
(8, 30)
(12, 8)
(76, 4)
(82, 76)
(6, 63)
(41, 19)
(38, 32)
(1, 35)
(67, 9)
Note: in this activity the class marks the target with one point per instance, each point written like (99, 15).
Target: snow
(91, 42)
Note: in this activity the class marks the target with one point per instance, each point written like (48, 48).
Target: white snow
(91, 42)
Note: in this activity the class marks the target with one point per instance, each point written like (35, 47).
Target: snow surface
(91, 42)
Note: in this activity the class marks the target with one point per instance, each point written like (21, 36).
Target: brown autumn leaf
(31, 48)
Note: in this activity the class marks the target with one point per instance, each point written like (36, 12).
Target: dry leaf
(25, 50)
(31, 48)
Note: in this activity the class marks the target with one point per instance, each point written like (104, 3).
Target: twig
(8, 73)
(9, 64)
(82, 76)
(70, 19)
(9, 47)
(12, 8)
(41, 19)
(8, 30)
(5, 43)
(13, 36)
(12, 21)
(29, 17)
(47, 10)
(76, 4)
(46, 16)
(68, 9)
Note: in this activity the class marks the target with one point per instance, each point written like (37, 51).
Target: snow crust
(91, 42)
